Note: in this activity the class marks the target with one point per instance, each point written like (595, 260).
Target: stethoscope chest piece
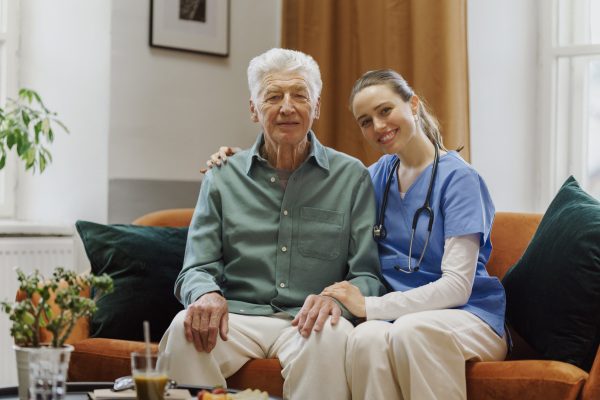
(379, 232)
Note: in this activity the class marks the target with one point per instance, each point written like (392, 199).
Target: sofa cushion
(553, 291)
(144, 262)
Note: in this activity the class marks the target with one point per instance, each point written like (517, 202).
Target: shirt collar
(317, 153)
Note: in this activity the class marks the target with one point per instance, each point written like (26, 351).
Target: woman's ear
(414, 104)
(253, 113)
(318, 109)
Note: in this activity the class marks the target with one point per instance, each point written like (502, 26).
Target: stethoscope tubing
(379, 231)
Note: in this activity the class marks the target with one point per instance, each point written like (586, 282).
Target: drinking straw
(147, 340)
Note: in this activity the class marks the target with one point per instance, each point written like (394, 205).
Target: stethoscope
(379, 232)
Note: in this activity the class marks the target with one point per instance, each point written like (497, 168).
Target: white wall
(502, 48)
(65, 55)
(170, 110)
(133, 111)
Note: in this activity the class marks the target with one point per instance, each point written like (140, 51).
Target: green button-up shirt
(267, 249)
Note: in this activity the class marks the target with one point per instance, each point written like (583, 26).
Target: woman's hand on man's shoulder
(219, 156)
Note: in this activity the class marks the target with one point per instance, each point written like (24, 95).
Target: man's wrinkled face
(285, 107)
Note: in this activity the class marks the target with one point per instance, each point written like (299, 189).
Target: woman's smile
(387, 137)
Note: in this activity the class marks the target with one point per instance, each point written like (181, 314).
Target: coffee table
(80, 390)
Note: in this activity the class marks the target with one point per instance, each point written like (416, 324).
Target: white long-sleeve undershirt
(453, 289)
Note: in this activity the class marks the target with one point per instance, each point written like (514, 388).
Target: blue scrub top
(461, 205)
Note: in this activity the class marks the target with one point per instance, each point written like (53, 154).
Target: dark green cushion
(553, 291)
(144, 262)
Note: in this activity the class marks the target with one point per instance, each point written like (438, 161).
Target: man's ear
(253, 112)
(318, 109)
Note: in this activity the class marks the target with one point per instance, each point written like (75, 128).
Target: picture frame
(196, 26)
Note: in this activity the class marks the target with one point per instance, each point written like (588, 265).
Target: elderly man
(271, 230)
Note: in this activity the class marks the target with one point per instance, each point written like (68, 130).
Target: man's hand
(349, 295)
(204, 319)
(314, 313)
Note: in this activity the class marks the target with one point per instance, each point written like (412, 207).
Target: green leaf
(36, 130)
(27, 318)
(42, 163)
(10, 140)
(23, 147)
(48, 155)
(45, 125)
(3, 161)
(62, 125)
(25, 118)
(30, 158)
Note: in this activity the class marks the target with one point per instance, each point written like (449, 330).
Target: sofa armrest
(82, 327)
(591, 389)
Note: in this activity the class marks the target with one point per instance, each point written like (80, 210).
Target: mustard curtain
(424, 40)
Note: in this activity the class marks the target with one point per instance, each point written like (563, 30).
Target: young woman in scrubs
(417, 338)
(442, 308)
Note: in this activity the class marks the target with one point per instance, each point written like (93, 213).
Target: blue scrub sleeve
(467, 205)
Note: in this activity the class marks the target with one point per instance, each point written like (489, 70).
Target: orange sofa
(523, 375)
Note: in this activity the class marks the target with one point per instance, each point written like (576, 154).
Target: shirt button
(282, 285)
(284, 248)
(272, 179)
(285, 212)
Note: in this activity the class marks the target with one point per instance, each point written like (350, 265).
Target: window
(9, 31)
(569, 95)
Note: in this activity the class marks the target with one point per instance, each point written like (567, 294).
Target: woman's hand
(222, 154)
(349, 296)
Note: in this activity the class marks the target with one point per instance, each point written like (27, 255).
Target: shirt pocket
(320, 233)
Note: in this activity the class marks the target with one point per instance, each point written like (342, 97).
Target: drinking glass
(150, 372)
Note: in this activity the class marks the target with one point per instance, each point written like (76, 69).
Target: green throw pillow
(144, 262)
(553, 291)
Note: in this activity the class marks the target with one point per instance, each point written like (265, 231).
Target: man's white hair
(283, 60)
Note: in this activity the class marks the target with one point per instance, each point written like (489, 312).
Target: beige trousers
(313, 368)
(420, 356)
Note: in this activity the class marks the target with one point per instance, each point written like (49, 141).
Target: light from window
(9, 34)
(578, 22)
(576, 52)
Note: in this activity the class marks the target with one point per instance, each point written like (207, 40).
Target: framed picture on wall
(199, 26)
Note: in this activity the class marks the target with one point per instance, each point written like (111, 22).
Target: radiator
(28, 253)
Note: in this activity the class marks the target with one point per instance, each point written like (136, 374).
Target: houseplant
(43, 366)
(26, 124)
